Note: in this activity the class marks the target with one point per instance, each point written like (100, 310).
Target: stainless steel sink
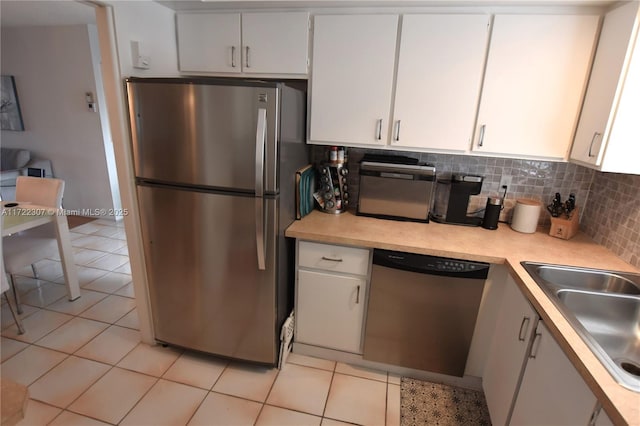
(588, 279)
(604, 308)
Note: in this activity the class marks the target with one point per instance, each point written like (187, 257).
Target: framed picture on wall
(10, 115)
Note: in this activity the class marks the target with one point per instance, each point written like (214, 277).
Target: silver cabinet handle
(261, 134)
(593, 139)
(481, 137)
(379, 129)
(523, 329)
(233, 56)
(595, 414)
(535, 345)
(332, 259)
(246, 57)
(357, 295)
(397, 137)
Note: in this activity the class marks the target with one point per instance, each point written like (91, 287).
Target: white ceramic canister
(525, 215)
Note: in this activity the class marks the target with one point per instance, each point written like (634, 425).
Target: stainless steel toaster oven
(395, 190)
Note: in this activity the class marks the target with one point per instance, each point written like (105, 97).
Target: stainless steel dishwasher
(422, 310)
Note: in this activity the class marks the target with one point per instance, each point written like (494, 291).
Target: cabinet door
(623, 150)
(603, 419)
(508, 352)
(552, 392)
(330, 310)
(439, 76)
(275, 42)
(209, 42)
(604, 83)
(536, 71)
(352, 78)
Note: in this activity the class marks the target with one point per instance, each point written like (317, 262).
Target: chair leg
(16, 296)
(35, 271)
(16, 318)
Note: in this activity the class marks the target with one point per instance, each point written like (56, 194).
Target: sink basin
(604, 308)
(588, 279)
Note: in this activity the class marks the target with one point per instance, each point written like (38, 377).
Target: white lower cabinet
(528, 380)
(552, 392)
(330, 305)
(508, 352)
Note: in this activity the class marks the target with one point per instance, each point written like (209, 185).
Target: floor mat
(426, 403)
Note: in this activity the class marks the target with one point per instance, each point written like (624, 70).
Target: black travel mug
(492, 213)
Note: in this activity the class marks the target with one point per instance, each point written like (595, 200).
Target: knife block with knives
(565, 219)
(564, 228)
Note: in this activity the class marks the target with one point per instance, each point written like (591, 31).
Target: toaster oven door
(395, 198)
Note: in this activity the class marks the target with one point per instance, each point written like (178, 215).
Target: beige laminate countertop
(501, 246)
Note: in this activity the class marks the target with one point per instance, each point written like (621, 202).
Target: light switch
(91, 104)
(139, 57)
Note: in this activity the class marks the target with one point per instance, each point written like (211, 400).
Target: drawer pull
(331, 259)
(357, 295)
(523, 328)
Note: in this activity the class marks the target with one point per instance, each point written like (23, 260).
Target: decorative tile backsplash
(612, 216)
(538, 180)
(609, 203)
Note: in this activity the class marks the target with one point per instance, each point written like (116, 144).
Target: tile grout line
(266, 397)
(150, 387)
(326, 401)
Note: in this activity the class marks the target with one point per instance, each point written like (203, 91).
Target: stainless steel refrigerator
(215, 163)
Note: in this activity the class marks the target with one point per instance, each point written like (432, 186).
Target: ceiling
(21, 13)
(265, 4)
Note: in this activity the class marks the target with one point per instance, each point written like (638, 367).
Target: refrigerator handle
(261, 134)
(260, 237)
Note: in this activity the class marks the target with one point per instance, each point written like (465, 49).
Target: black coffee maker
(452, 199)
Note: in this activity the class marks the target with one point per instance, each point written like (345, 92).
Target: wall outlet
(505, 180)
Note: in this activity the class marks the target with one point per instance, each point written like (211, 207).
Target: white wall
(153, 26)
(53, 70)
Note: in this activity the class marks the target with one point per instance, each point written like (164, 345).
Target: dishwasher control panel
(455, 265)
(430, 264)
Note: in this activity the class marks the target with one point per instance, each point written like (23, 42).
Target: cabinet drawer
(333, 258)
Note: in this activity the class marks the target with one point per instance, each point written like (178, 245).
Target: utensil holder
(564, 228)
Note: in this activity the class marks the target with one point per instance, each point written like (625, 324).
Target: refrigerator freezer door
(202, 134)
(206, 290)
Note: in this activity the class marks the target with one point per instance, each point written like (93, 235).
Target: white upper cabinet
(275, 43)
(608, 133)
(352, 78)
(440, 66)
(536, 71)
(209, 42)
(250, 43)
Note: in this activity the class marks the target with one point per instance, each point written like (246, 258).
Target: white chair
(4, 287)
(27, 247)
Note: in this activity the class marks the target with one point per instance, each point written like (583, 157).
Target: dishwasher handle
(430, 265)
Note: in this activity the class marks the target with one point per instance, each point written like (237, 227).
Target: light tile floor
(84, 363)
